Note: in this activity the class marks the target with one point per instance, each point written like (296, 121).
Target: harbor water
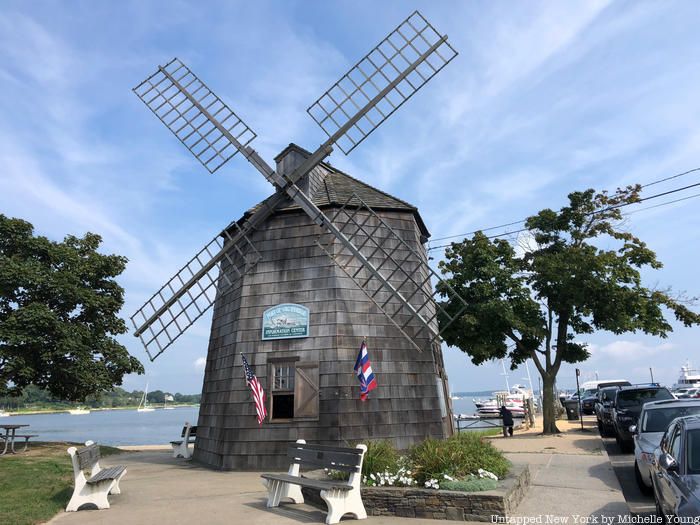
(129, 427)
(109, 427)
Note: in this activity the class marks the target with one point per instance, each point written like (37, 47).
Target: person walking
(507, 416)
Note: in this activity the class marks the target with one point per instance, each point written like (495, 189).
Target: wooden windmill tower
(303, 277)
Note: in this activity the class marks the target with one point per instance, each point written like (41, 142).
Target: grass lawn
(37, 484)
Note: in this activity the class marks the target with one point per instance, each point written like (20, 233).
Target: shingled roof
(337, 187)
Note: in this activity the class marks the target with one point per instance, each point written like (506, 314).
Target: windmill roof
(337, 188)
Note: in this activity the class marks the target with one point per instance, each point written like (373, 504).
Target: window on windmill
(294, 390)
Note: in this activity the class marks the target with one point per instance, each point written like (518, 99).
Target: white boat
(688, 378)
(80, 411)
(143, 405)
(4, 414)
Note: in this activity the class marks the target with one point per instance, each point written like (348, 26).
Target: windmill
(388, 267)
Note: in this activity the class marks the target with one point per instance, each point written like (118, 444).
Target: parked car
(653, 422)
(588, 402)
(627, 407)
(603, 410)
(688, 393)
(676, 471)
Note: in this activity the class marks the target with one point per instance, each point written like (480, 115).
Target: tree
(58, 314)
(536, 303)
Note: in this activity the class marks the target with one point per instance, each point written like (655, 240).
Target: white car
(651, 425)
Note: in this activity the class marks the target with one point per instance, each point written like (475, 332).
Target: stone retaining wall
(443, 504)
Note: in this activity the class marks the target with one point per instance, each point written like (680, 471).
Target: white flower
(448, 477)
(486, 474)
(372, 476)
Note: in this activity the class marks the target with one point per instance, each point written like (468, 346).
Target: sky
(544, 98)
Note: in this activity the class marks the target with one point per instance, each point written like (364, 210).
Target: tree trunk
(549, 400)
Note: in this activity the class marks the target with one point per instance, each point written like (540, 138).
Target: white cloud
(200, 363)
(623, 350)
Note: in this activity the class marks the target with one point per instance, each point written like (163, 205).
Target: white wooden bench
(181, 448)
(341, 497)
(92, 482)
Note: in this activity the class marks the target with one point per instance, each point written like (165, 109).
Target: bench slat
(346, 460)
(107, 473)
(88, 456)
(306, 482)
(193, 431)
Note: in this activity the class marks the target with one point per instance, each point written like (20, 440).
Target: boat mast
(505, 375)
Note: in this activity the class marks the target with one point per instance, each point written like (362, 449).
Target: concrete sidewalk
(159, 489)
(571, 476)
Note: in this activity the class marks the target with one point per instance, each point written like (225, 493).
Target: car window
(635, 398)
(675, 446)
(664, 440)
(658, 419)
(693, 451)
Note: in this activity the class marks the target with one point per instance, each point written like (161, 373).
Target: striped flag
(257, 390)
(363, 369)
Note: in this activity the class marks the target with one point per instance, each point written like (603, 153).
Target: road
(623, 465)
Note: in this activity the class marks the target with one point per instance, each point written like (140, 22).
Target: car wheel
(601, 429)
(640, 482)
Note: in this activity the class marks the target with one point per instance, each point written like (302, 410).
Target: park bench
(181, 448)
(92, 482)
(341, 497)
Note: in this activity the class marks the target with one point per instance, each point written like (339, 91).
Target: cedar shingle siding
(405, 407)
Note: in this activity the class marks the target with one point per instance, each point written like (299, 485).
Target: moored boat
(688, 378)
(79, 411)
(143, 405)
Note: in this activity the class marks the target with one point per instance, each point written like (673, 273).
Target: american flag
(257, 389)
(363, 369)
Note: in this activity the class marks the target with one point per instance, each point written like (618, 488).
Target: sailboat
(143, 405)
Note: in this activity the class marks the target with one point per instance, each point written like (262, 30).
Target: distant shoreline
(100, 409)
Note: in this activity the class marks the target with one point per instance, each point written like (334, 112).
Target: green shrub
(473, 484)
(380, 456)
(459, 456)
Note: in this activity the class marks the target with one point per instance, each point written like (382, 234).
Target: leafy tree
(537, 302)
(58, 314)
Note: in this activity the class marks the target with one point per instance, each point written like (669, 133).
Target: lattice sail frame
(411, 275)
(192, 117)
(200, 291)
(163, 91)
(388, 61)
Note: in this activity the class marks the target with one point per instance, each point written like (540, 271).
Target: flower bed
(461, 478)
(415, 502)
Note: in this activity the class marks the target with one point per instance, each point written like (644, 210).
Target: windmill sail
(348, 112)
(193, 289)
(395, 261)
(381, 82)
(187, 107)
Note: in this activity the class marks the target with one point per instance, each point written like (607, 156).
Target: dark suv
(627, 406)
(603, 410)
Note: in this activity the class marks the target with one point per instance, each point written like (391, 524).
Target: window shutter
(306, 390)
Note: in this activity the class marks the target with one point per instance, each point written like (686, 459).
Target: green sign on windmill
(285, 321)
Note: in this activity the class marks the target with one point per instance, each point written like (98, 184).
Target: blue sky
(544, 98)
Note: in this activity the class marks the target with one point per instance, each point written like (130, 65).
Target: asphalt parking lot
(623, 465)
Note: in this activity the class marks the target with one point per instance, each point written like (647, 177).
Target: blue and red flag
(363, 369)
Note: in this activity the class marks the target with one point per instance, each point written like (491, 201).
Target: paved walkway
(571, 477)
(571, 473)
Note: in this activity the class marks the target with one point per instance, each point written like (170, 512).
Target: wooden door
(306, 390)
